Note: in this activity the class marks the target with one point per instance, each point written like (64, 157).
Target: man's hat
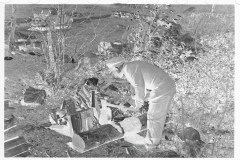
(115, 62)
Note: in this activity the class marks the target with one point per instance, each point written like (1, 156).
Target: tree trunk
(51, 53)
(13, 26)
(45, 48)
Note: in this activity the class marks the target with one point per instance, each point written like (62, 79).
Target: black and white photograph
(119, 80)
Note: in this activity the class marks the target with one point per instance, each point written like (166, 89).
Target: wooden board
(16, 150)
(13, 132)
(14, 144)
(24, 154)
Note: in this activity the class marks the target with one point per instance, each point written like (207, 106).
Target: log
(100, 136)
(105, 134)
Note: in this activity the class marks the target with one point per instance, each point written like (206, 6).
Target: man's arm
(135, 77)
(121, 107)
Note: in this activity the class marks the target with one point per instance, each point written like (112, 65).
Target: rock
(92, 81)
(34, 96)
(117, 47)
(131, 125)
(33, 53)
(168, 134)
(78, 143)
(175, 29)
(8, 58)
(192, 148)
(104, 46)
(168, 154)
(190, 58)
(156, 42)
(189, 134)
(68, 59)
(127, 104)
(188, 40)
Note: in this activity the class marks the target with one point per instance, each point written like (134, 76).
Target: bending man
(143, 76)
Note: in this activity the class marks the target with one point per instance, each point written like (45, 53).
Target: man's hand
(139, 104)
(125, 109)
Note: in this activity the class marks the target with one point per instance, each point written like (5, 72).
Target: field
(202, 66)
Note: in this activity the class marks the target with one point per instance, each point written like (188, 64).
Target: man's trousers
(159, 105)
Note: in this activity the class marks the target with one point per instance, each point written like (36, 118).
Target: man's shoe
(150, 147)
(146, 147)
